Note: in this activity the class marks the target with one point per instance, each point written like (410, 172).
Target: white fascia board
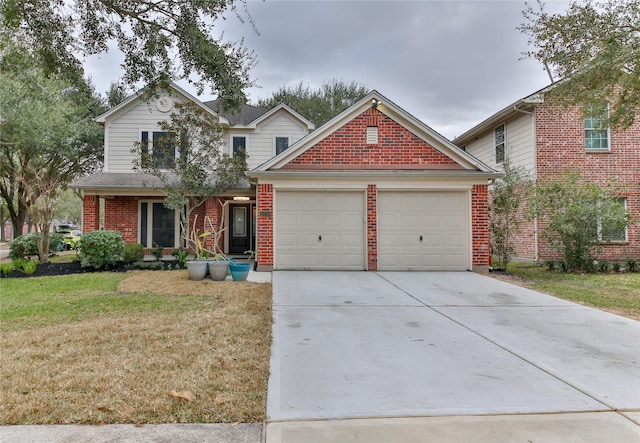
(282, 107)
(394, 112)
(394, 174)
(133, 100)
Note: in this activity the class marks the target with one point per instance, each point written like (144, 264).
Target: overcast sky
(449, 63)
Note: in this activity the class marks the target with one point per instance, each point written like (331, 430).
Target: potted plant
(197, 268)
(240, 270)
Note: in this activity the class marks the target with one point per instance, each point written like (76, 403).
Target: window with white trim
(596, 129)
(613, 233)
(500, 139)
(282, 143)
(159, 149)
(158, 225)
(239, 146)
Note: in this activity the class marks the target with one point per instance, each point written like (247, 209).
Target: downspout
(535, 170)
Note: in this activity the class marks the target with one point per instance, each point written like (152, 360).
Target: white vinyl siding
(125, 131)
(261, 141)
(425, 231)
(520, 145)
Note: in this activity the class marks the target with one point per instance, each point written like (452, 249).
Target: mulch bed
(51, 269)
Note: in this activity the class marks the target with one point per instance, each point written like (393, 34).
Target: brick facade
(397, 149)
(480, 225)
(265, 239)
(121, 214)
(396, 146)
(560, 146)
(90, 213)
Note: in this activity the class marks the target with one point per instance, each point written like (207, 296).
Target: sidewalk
(169, 433)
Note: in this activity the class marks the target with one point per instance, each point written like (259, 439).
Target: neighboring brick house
(132, 202)
(547, 139)
(374, 189)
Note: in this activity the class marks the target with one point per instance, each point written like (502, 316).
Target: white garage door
(320, 230)
(422, 231)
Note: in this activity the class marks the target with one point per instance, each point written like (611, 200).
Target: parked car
(71, 237)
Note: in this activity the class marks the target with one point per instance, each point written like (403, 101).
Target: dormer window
(282, 143)
(372, 135)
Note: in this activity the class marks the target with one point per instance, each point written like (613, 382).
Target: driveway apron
(367, 345)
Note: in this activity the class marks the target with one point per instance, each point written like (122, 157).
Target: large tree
(321, 105)
(161, 40)
(47, 133)
(594, 49)
(190, 163)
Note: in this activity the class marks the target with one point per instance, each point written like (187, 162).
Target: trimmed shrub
(101, 249)
(23, 247)
(132, 253)
(149, 265)
(156, 251)
(56, 241)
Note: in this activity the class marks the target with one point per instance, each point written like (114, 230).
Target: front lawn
(108, 348)
(615, 292)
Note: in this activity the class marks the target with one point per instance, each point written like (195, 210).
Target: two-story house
(373, 188)
(547, 139)
(132, 202)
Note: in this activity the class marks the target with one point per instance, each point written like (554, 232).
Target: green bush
(149, 265)
(632, 265)
(603, 266)
(156, 251)
(26, 247)
(23, 247)
(101, 249)
(56, 241)
(132, 253)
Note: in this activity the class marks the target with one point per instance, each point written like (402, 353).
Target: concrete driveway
(444, 357)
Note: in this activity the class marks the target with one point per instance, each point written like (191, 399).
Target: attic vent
(372, 135)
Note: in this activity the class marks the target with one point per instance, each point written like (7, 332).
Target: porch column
(265, 216)
(90, 213)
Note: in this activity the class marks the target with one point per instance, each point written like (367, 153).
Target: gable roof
(136, 98)
(251, 116)
(525, 104)
(391, 110)
(246, 115)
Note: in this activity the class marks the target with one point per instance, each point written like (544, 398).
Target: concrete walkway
(445, 357)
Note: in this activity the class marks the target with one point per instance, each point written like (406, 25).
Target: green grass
(617, 291)
(43, 301)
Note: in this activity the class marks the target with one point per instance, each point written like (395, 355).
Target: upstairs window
(596, 129)
(282, 143)
(239, 145)
(500, 143)
(160, 153)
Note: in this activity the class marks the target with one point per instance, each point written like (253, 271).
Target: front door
(240, 229)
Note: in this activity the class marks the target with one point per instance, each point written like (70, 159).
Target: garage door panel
(328, 228)
(439, 217)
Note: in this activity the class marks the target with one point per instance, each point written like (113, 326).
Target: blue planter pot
(239, 271)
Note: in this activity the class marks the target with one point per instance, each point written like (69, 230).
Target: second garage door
(423, 231)
(320, 230)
